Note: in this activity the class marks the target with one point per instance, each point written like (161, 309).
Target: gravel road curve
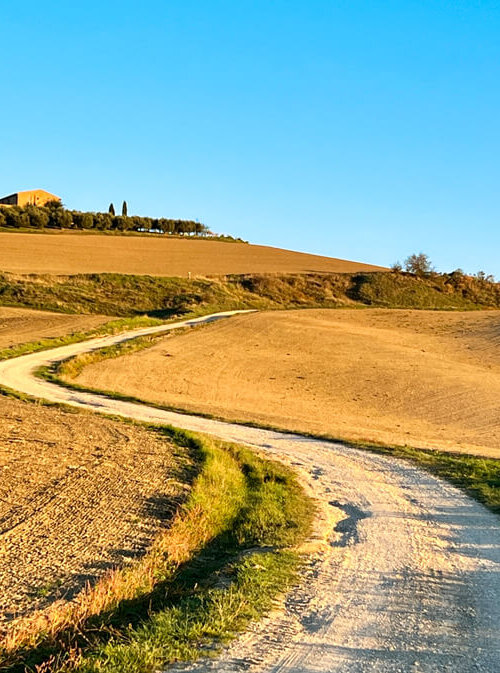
(410, 579)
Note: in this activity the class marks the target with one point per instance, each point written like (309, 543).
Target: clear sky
(357, 129)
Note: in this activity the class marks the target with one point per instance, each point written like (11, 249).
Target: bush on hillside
(453, 290)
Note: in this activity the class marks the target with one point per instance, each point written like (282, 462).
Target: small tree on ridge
(419, 264)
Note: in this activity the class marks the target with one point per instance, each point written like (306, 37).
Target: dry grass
(426, 379)
(80, 253)
(139, 296)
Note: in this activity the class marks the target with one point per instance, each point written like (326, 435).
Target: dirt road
(411, 578)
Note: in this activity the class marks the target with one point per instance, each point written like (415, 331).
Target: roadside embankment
(163, 297)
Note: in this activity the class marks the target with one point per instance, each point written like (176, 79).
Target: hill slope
(429, 379)
(156, 256)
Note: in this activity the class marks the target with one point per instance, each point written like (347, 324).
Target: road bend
(409, 580)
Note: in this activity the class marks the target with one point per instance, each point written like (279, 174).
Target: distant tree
(419, 264)
(12, 217)
(397, 267)
(39, 217)
(55, 204)
(121, 223)
(59, 217)
(87, 221)
(111, 209)
(485, 278)
(103, 221)
(124, 209)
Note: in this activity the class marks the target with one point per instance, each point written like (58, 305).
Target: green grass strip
(200, 622)
(270, 514)
(243, 518)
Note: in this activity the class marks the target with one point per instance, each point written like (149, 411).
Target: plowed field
(427, 379)
(19, 325)
(78, 495)
(80, 253)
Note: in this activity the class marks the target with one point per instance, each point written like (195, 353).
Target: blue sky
(364, 130)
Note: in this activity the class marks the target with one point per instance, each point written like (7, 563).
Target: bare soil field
(422, 378)
(78, 494)
(19, 325)
(80, 253)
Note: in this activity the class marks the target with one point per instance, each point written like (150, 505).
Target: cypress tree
(111, 209)
(124, 209)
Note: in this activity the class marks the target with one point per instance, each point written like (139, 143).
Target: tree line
(53, 215)
(420, 265)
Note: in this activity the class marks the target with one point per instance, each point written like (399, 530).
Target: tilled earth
(78, 494)
(21, 325)
(424, 378)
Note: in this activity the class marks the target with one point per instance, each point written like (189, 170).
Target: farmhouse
(34, 197)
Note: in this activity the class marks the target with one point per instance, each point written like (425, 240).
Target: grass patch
(200, 621)
(434, 291)
(169, 605)
(73, 366)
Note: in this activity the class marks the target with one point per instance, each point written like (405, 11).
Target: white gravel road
(410, 579)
